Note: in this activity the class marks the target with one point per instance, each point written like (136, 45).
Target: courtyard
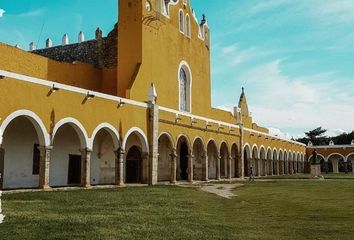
(264, 209)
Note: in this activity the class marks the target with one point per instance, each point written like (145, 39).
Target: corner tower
(162, 42)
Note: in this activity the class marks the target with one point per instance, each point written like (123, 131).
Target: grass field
(330, 176)
(262, 210)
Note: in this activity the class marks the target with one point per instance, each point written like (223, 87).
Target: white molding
(110, 129)
(330, 146)
(70, 88)
(141, 104)
(41, 130)
(338, 154)
(201, 139)
(142, 137)
(169, 137)
(78, 127)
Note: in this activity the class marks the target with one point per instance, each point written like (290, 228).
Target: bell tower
(155, 38)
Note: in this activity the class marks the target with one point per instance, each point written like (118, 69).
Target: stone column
(205, 165)
(173, 177)
(335, 166)
(265, 167)
(218, 158)
(119, 167)
(1, 215)
(190, 167)
(277, 167)
(44, 164)
(86, 167)
(229, 167)
(2, 159)
(146, 169)
(153, 138)
(352, 164)
(259, 172)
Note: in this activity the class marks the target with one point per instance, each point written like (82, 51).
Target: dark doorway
(183, 161)
(246, 163)
(2, 159)
(133, 166)
(74, 176)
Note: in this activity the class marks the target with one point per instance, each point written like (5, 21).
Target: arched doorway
(246, 160)
(69, 144)
(275, 163)
(103, 159)
(183, 161)
(164, 162)
(133, 164)
(224, 159)
(212, 160)
(199, 159)
(20, 164)
(235, 168)
(270, 162)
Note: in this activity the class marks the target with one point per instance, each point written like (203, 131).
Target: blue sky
(294, 58)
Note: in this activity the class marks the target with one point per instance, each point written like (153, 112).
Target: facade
(133, 107)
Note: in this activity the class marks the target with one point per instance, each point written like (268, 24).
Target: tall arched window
(184, 77)
(188, 26)
(181, 21)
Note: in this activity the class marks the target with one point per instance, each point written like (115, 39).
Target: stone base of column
(316, 171)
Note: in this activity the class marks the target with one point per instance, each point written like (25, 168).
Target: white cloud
(33, 13)
(299, 102)
(2, 11)
(334, 11)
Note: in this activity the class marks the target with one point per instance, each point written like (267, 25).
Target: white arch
(142, 137)
(276, 154)
(201, 140)
(264, 151)
(282, 156)
(78, 127)
(318, 154)
(110, 129)
(349, 155)
(333, 154)
(40, 128)
(254, 146)
(271, 153)
(168, 135)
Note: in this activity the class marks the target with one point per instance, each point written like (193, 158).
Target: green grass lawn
(263, 210)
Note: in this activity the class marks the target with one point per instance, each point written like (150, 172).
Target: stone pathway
(222, 190)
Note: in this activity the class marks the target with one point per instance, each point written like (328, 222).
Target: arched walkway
(165, 158)
(67, 166)
(199, 160)
(235, 164)
(213, 158)
(246, 160)
(263, 162)
(136, 156)
(20, 155)
(275, 163)
(255, 161)
(183, 157)
(105, 143)
(224, 160)
(270, 162)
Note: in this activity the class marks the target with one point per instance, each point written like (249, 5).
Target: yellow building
(141, 114)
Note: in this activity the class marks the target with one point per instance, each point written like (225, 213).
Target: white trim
(183, 65)
(276, 152)
(349, 155)
(333, 154)
(215, 144)
(179, 21)
(246, 145)
(201, 139)
(41, 130)
(70, 88)
(110, 129)
(188, 31)
(334, 146)
(142, 138)
(271, 153)
(255, 146)
(78, 127)
(144, 105)
(168, 136)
